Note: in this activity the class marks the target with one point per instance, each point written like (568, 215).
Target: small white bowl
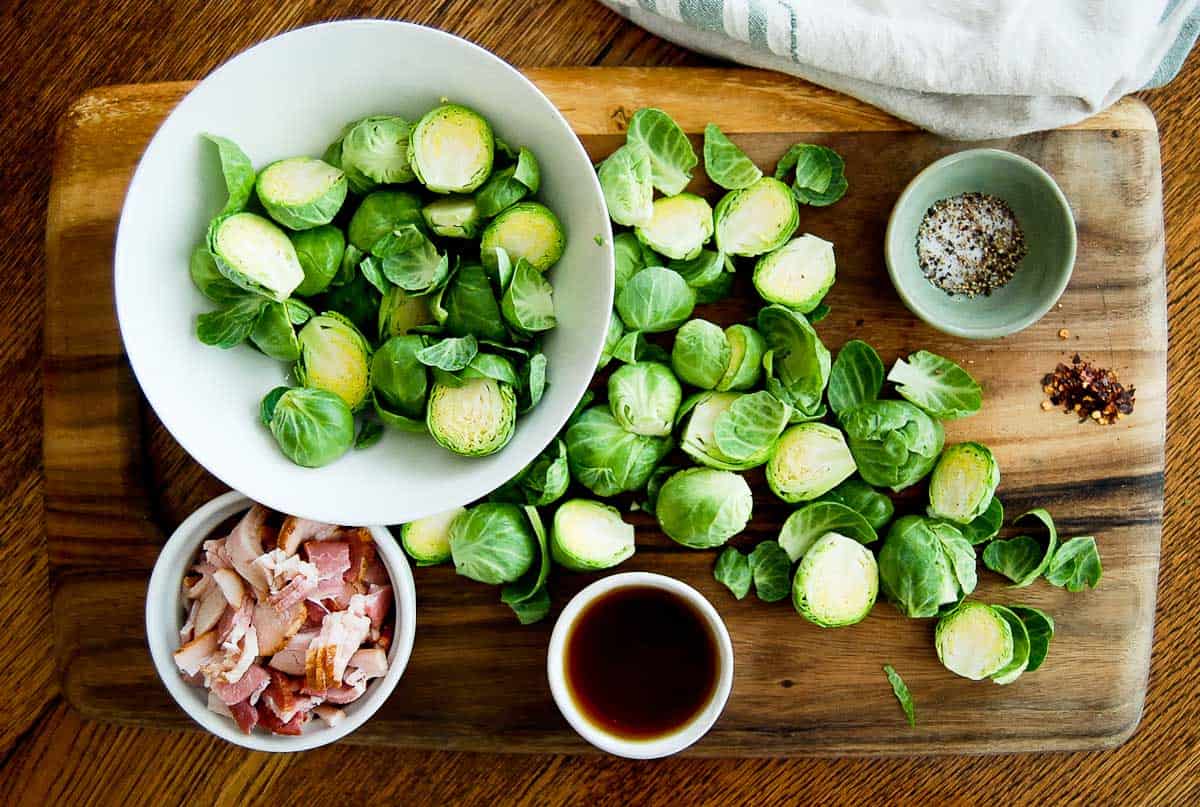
(657, 746)
(164, 618)
(288, 96)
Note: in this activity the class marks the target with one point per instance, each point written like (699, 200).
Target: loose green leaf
(230, 326)
(274, 333)
(733, 571)
(874, 506)
(725, 163)
(856, 376)
(937, 385)
(1024, 558)
(771, 569)
(813, 521)
(528, 303)
(986, 526)
(372, 269)
(369, 433)
(527, 596)
(267, 408)
(1040, 627)
(238, 172)
(900, 690)
(1075, 565)
(533, 381)
(750, 426)
(500, 192)
(451, 354)
(819, 174)
(671, 156)
(298, 311)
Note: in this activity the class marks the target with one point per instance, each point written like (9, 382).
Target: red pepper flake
(1093, 393)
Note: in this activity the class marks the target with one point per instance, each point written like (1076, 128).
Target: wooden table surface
(54, 50)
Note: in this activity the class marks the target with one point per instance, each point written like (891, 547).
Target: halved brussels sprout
(427, 540)
(400, 312)
(703, 508)
(256, 255)
(492, 543)
(377, 147)
(401, 382)
(474, 419)
(679, 226)
(836, 583)
(756, 219)
(302, 192)
(379, 214)
(746, 348)
(644, 398)
(452, 149)
(701, 353)
(334, 356)
(732, 431)
(313, 427)
(588, 535)
(529, 230)
(798, 274)
(453, 217)
(319, 251)
(963, 483)
(656, 299)
(625, 178)
(810, 459)
(974, 641)
(605, 458)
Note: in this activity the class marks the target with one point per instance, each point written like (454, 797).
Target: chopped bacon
(244, 545)
(268, 536)
(341, 695)
(245, 714)
(289, 579)
(212, 605)
(189, 627)
(234, 623)
(248, 687)
(193, 655)
(332, 558)
(272, 723)
(281, 696)
(386, 634)
(216, 555)
(374, 605)
(215, 704)
(275, 628)
(362, 553)
(314, 613)
(341, 635)
(296, 531)
(372, 661)
(331, 715)
(376, 573)
(230, 584)
(291, 658)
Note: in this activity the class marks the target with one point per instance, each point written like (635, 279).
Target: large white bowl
(165, 616)
(288, 96)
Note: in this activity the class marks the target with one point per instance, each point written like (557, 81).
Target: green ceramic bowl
(1041, 210)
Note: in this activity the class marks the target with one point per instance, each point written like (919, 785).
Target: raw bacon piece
(372, 661)
(362, 553)
(374, 605)
(314, 613)
(272, 723)
(275, 628)
(244, 545)
(330, 714)
(231, 586)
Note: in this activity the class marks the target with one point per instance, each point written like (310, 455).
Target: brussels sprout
(251, 252)
(313, 427)
(320, 252)
(819, 178)
(746, 348)
(936, 385)
(798, 274)
(733, 571)
(301, 192)
(411, 261)
(1020, 658)
(925, 564)
(238, 172)
(805, 526)
(452, 149)
(528, 302)
(625, 178)
(1040, 628)
(756, 219)
(357, 301)
(702, 508)
(380, 213)
(611, 337)
(1075, 564)
(704, 272)
(471, 306)
(725, 163)
(453, 217)
(589, 535)
(810, 459)
(545, 480)
(401, 382)
(856, 376)
(377, 148)
(399, 312)
(671, 156)
(274, 335)
(527, 596)
(605, 458)
(731, 431)
(701, 354)
(654, 300)
(679, 226)
(629, 256)
(202, 266)
(836, 583)
(475, 419)
(334, 356)
(974, 641)
(893, 442)
(644, 398)
(860, 497)
(492, 543)
(797, 362)
(963, 483)
(986, 526)
(427, 540)
(529, 230)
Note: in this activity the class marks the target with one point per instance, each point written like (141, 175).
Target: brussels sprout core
(427, 540)
(302, 192)
(453, 217)
(529, 230)
(756, 219)
(679, 226)
(798, 274)
(452, 149)
(256, 255)
(589, 535)
(974, 641)
(475, 419)
(836, 582)
(810, 459)
(963, 483)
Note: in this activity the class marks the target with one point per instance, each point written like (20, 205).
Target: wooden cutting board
(116, 484)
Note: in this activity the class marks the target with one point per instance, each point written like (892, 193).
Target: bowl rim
(231, 473)
(1035, 313)
(174, 558)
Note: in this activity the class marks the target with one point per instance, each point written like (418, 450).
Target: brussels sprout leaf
(528, 596)
(533, 381)
(451, 354)
(372, 270)
(238, 172)
(229, 326)
(298, 311)
(813, 521)
(819, 178)
(770, 567)
(671, 156)
(528, 302)
(937, 385)
(725, 163)
(1023, 559)
(527, 171)
(500, 192)
(856, 376)
(625, 178)
(411, 261)
(267, 408)
(274, 334)
(987, 525)
(1040, 627)
(545, 480)
(1075, 565)
(900, 690)
(369, 433)
(817, 314)
(733, 571)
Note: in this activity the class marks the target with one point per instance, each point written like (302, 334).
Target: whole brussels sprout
(377, 148)
(474, 419)
(701, 353)
(401, 382)
(703, 508)
(894, 443)
(313, 427)
(302, 192)
(605, 458)
(334, 356)
(654, 300)
(925, 564)
(320, 252)
(492, 543)
(644, 398)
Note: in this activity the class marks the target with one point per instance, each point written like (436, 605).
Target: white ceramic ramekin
(165, 616)
(658, 746)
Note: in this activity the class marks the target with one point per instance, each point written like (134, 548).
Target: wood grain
(65, 759)
(104, 530)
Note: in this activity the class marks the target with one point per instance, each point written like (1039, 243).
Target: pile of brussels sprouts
(765, 393)
(402, 275)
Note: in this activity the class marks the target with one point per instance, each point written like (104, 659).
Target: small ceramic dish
(165, 616)
(1043, 214)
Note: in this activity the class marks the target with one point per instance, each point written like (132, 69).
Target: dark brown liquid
(641, 662)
